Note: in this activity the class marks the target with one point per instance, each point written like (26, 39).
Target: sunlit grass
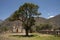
(34, 36)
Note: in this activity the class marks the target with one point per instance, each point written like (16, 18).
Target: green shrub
(4, 29)
(43, 27)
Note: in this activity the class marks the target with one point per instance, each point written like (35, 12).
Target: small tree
(26, 14)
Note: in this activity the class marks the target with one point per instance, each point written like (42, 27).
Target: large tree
(26, 14)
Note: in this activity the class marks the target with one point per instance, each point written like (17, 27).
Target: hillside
(55, 21)
(40, 20)
(1, 21)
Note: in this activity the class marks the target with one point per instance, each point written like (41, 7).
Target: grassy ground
(36, 36)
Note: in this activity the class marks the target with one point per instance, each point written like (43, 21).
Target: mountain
(40, 20)
(55, 21)
(0, 21)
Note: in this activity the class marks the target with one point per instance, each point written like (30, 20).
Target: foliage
(25, 14)
(44, 27)
(4, 29)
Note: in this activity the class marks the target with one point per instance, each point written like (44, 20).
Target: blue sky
(48, 8)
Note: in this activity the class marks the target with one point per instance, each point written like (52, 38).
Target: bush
(4, 29)
(43, 27)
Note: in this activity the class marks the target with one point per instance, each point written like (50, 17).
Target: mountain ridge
(54, 21)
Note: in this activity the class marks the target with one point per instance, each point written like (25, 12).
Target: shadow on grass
(23, 36)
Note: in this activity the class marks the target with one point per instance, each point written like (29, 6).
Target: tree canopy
(25, 14)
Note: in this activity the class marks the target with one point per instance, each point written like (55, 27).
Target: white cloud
(50, 16)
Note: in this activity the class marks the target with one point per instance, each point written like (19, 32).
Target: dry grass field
(36, 36)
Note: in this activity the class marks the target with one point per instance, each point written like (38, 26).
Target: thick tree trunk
(26, 31)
